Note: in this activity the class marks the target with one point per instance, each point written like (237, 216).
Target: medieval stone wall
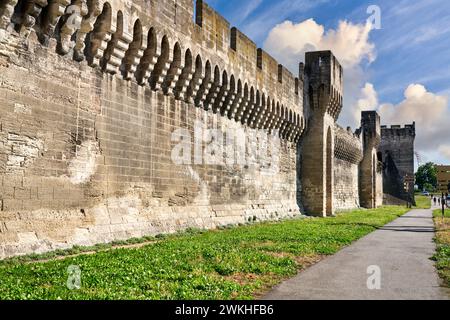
(397, 154)
(92, 122)
(121, 119)
(323, 98)
(346, 185)
(348, 154)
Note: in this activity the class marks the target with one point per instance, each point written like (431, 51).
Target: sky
(396, 56)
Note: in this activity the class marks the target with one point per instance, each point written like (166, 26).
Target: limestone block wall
(346, 185)
(323, 85)
(348, 154)
(92, 118)
(379, 200)
(370, 135)
(397, 153)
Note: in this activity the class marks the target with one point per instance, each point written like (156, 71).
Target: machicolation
(98, 98)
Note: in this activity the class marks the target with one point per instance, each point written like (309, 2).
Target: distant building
(443, 177)
(396, 151)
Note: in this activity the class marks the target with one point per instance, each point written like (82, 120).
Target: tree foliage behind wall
(426, 177)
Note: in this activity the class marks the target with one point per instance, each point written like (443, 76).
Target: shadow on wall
(393, 183)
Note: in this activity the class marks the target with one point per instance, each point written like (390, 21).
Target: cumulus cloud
(430, 111)
(444, 150)
(288, 42)
(350, 43)
(366, 100)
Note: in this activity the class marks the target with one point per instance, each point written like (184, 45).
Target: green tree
(426, 177)
(428, 187)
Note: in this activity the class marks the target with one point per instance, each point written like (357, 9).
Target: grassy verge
(236, 263)
(422, 202)
(442, 256)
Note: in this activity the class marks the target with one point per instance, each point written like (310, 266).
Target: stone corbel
(55, 11)
(282, 124)
(28, 17)
(207, 83)
(268, 119)
(212, 94)
(260, 115)
(99, 43)
(253, 114)
(195, 85)
(183, 82)
(227, 100)
(6, 13)
(251, 108)
(243, 107)
(131, 61)
(147, 64)
(173, 75)
(165, 66)
(87, 25)
(71, 25)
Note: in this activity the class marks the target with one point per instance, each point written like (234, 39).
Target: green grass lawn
(438, 213)
(235, 263)
(422, 202)
(442, 256)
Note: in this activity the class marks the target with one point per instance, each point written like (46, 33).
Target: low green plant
(234, 263)
(442, 256)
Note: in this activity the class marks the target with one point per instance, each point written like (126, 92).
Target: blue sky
(412, 47)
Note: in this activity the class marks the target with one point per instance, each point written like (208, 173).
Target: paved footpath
(401, 250)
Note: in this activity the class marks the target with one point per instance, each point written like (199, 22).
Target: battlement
(348, 145)
(326, 82)
(371, 129)
(408, 130)
(162, 45)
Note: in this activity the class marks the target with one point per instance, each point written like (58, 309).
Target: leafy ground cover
(422, 202)
(442, 256)
(232, 263)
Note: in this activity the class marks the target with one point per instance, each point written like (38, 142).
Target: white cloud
(288, 42)
(430, 111)
(365, 100)
(445, 151)
(278, 11)
(350, 43)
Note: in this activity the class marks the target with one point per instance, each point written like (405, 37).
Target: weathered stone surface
(397, 153)
(96, 98)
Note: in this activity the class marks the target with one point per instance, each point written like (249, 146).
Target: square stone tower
(397, 153)
(324, 87)
(369, 168)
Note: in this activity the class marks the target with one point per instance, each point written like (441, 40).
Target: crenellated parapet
(370, 187)
(408, 130)
(396, 151)
(161, 45)
(325, 79)
(370, 129)
(348, 145)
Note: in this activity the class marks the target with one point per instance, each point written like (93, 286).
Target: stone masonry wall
(347, 157)
(323, 95)
(87, 135)
(397, 153)
(346, 185)
(120, 119)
